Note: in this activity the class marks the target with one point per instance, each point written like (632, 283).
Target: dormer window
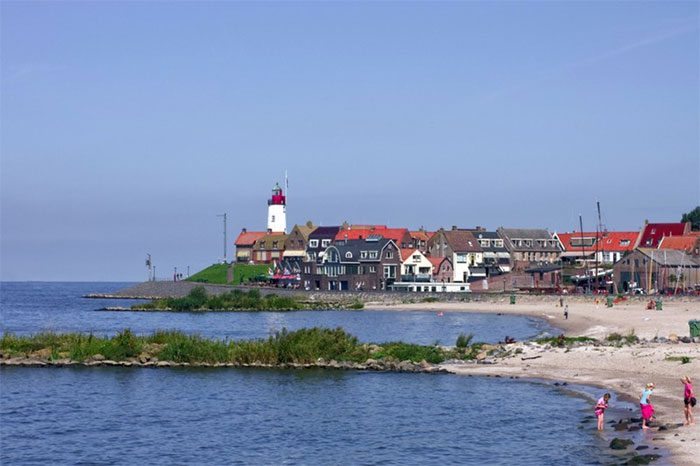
(348, 255)
(363, 254)
(313, 243)
(325, 243)
(373, 254)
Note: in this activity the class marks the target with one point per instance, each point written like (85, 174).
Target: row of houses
(378, 257)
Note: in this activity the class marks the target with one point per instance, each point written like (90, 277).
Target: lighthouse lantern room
(277, 211)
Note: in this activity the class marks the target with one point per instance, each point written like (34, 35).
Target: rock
(44, 353)
(642, 447)
(621, 426)
(620, 443)
(481, 356)
(97, 357)
(633, 428)
(696, 339)
(686, 339)
(163, 364)
(643, 459)
(143, 357)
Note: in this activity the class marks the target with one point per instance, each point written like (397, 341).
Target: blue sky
(126, 127)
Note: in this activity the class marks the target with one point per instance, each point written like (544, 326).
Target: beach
(624, 369)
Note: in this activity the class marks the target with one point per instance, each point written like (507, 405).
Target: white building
(277, 211)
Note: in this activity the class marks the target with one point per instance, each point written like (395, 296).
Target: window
(313, 243)
(389, 271)
(653, 231)
(325, 243)
(625, 242)
(307, 269)
(498, 243)
(272, 218)
(485, 243)
(416, 258)
(461, 258)
(363, 254)
(389, 255)
(372, 269)
(373, 254)
(348, 255)
(360, 270)
(274, 244)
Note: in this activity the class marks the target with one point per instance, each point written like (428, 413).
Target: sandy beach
(624, 370)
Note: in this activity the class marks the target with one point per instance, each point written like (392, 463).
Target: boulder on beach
(620, 443)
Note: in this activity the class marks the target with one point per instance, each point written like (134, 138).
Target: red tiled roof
(618, 241)
(395, 234)
(653, 233)
(680, 243)
(612, 241)
(248, 238)
(406, 253)
(421, 235)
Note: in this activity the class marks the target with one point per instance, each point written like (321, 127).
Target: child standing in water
(600, 408)
(689, 400)
(646, 406)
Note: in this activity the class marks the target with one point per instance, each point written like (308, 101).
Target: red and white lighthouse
(277, 211)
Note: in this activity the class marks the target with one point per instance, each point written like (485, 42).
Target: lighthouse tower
(277, 211)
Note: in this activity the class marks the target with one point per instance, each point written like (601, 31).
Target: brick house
(269, 248)
(297, 240)
(461, 247)
(372, 263)
(442, 269)
(244, 244)
(530, 246)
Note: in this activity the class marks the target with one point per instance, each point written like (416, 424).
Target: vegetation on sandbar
(235, 300)
(305, 346)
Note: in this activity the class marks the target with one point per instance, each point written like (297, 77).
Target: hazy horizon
(128, 127)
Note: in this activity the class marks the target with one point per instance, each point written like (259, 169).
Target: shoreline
(624, 369)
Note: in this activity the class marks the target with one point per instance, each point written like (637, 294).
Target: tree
(693, 217)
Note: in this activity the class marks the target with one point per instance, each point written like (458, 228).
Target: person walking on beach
(600, 408)
(646, 406)
(689, 400)
(566, 312)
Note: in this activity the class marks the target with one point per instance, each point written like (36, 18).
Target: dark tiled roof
(355, 247)
(462, 241)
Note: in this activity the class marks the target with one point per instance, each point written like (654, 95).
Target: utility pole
(148, 267)
(583, 253)
(224, 216)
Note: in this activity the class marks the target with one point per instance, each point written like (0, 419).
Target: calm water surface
(131, 416)
(35, 307)
(235, 416)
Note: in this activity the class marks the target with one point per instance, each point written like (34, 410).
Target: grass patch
(300, 346)
(619, 339)
(430, 299)
(356, 305)
(562, 341)
(681, 359)
(235, 300)
(242, 273)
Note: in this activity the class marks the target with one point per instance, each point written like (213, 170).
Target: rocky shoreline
(153, 362)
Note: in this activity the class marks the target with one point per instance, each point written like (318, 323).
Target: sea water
(115, 415)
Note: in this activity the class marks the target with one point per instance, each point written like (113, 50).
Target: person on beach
(646, 406)
(600, 408)
(689, 400)
(566, 312)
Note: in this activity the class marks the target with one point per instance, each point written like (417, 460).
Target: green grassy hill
(216, 274)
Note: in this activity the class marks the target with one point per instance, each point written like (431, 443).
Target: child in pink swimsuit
(688, 400)
(600, 408)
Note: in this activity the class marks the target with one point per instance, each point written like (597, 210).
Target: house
(244, 244)
(496, 255)
(461, 247)
(657, 270)
(420, 239)
(415, 266)
(442, 269)
(319, 240)
(269, 248)
(606, 247)
(373, 263)
(529, 246)
(652, 233)
(295, 244)
(689, 243)
(400, 236)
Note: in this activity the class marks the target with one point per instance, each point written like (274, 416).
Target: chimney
(454, 227)
(244, 230)
(269, 230)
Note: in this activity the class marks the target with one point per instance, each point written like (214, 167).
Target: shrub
(356, 305)
(463, 340)
(410, 352)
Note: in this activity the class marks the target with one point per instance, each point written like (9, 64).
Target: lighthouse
(277, 211)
